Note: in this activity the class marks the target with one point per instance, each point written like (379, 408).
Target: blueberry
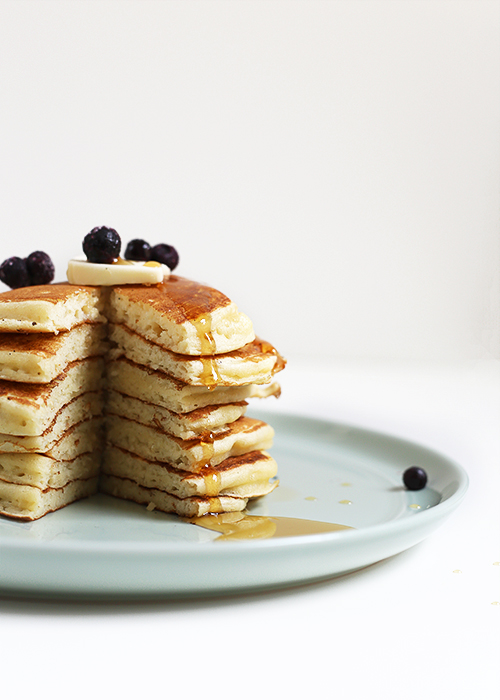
(40, 268)
(415, 478)
(137, 250)
(102, 245)
(14, 273)
(165, 254)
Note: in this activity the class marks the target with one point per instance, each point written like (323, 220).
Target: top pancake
(182, 316)
(49, 308)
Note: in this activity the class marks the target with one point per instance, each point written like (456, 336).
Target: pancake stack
(146, 386)
(183, 363)
(52, 346)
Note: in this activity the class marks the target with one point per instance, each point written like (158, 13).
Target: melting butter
(80, 271)
(241, 526)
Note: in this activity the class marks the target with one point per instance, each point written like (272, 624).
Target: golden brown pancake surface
(179, 298)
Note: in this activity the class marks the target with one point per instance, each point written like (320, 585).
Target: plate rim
(427, 517)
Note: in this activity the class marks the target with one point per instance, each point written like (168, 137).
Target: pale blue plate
(106, 548)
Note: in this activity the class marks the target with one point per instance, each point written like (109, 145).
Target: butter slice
(81, 271)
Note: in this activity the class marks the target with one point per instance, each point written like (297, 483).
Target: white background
(334, 168)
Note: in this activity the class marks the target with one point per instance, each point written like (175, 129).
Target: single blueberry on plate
(165, 254)
(14, 273)
(415, 478)
(40, 268)
(137, 250)
(102, 245)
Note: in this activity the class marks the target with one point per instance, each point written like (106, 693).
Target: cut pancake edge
(43, 472)
(155, 499)
(84, 407)
(58, 307)
(40, 358)
(23, 502)
(242, 436)
(252, 471)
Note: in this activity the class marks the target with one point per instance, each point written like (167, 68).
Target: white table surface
(421, 624)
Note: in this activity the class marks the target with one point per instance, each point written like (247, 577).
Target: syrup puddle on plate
(241, 526)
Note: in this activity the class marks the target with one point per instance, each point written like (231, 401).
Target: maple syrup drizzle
(241, 526)
(203, 325)
(207, 444)
(210, 374)
(208, 451)
(213, 482)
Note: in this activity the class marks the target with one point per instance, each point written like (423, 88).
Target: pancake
(160, 388)
(49, 308)
(155, 499)
(209, 419)
(244, 435)
(30, 503)
(254, 363)
(29, 409)
(245, 476)
(41, 357)
(76, 411)
(45, 472)
(182, 316)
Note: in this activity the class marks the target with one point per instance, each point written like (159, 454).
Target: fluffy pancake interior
(29, 409)
(51, 309)
(42, 471)
(41, 357)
